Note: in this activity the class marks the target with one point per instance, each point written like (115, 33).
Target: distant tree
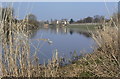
(80, 21)
(46, 22)
(31, 17)
(71, 21)
(88, 20)
(98, 18)
(95, 19)
(51, 20)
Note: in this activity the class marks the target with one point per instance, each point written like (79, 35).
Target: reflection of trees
(86, 34)
(56, 30)
(33, 33)
(71, 32)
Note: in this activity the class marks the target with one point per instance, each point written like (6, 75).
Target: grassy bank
(83, 27)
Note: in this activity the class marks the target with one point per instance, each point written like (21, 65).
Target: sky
(63, 10)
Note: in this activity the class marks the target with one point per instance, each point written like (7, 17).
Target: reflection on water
(65, 40)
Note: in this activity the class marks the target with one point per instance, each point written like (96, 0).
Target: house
(62, 22)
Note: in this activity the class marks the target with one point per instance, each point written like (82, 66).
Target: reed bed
(16, 58)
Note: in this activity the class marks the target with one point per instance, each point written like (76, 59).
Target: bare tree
(31, 17)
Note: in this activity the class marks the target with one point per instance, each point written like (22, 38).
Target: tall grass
(15, 47)
(16, 56)
(108, 52)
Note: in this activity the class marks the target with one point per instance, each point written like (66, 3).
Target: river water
(64, 40)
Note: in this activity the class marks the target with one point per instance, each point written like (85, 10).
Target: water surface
(65, 40)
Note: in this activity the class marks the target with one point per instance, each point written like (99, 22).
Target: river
(64, 40)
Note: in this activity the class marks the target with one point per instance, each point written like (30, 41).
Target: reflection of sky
(64, 42)
(59, 10)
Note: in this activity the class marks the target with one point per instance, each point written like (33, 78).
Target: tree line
(94, 19)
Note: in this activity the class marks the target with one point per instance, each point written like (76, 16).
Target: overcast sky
(63, 10)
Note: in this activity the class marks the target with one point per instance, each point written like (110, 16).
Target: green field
(84, 27)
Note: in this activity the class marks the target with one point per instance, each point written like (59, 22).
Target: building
(62, 22)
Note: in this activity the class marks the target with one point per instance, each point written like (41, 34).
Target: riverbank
(91, 65)
(103, 62)
(85, 27)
